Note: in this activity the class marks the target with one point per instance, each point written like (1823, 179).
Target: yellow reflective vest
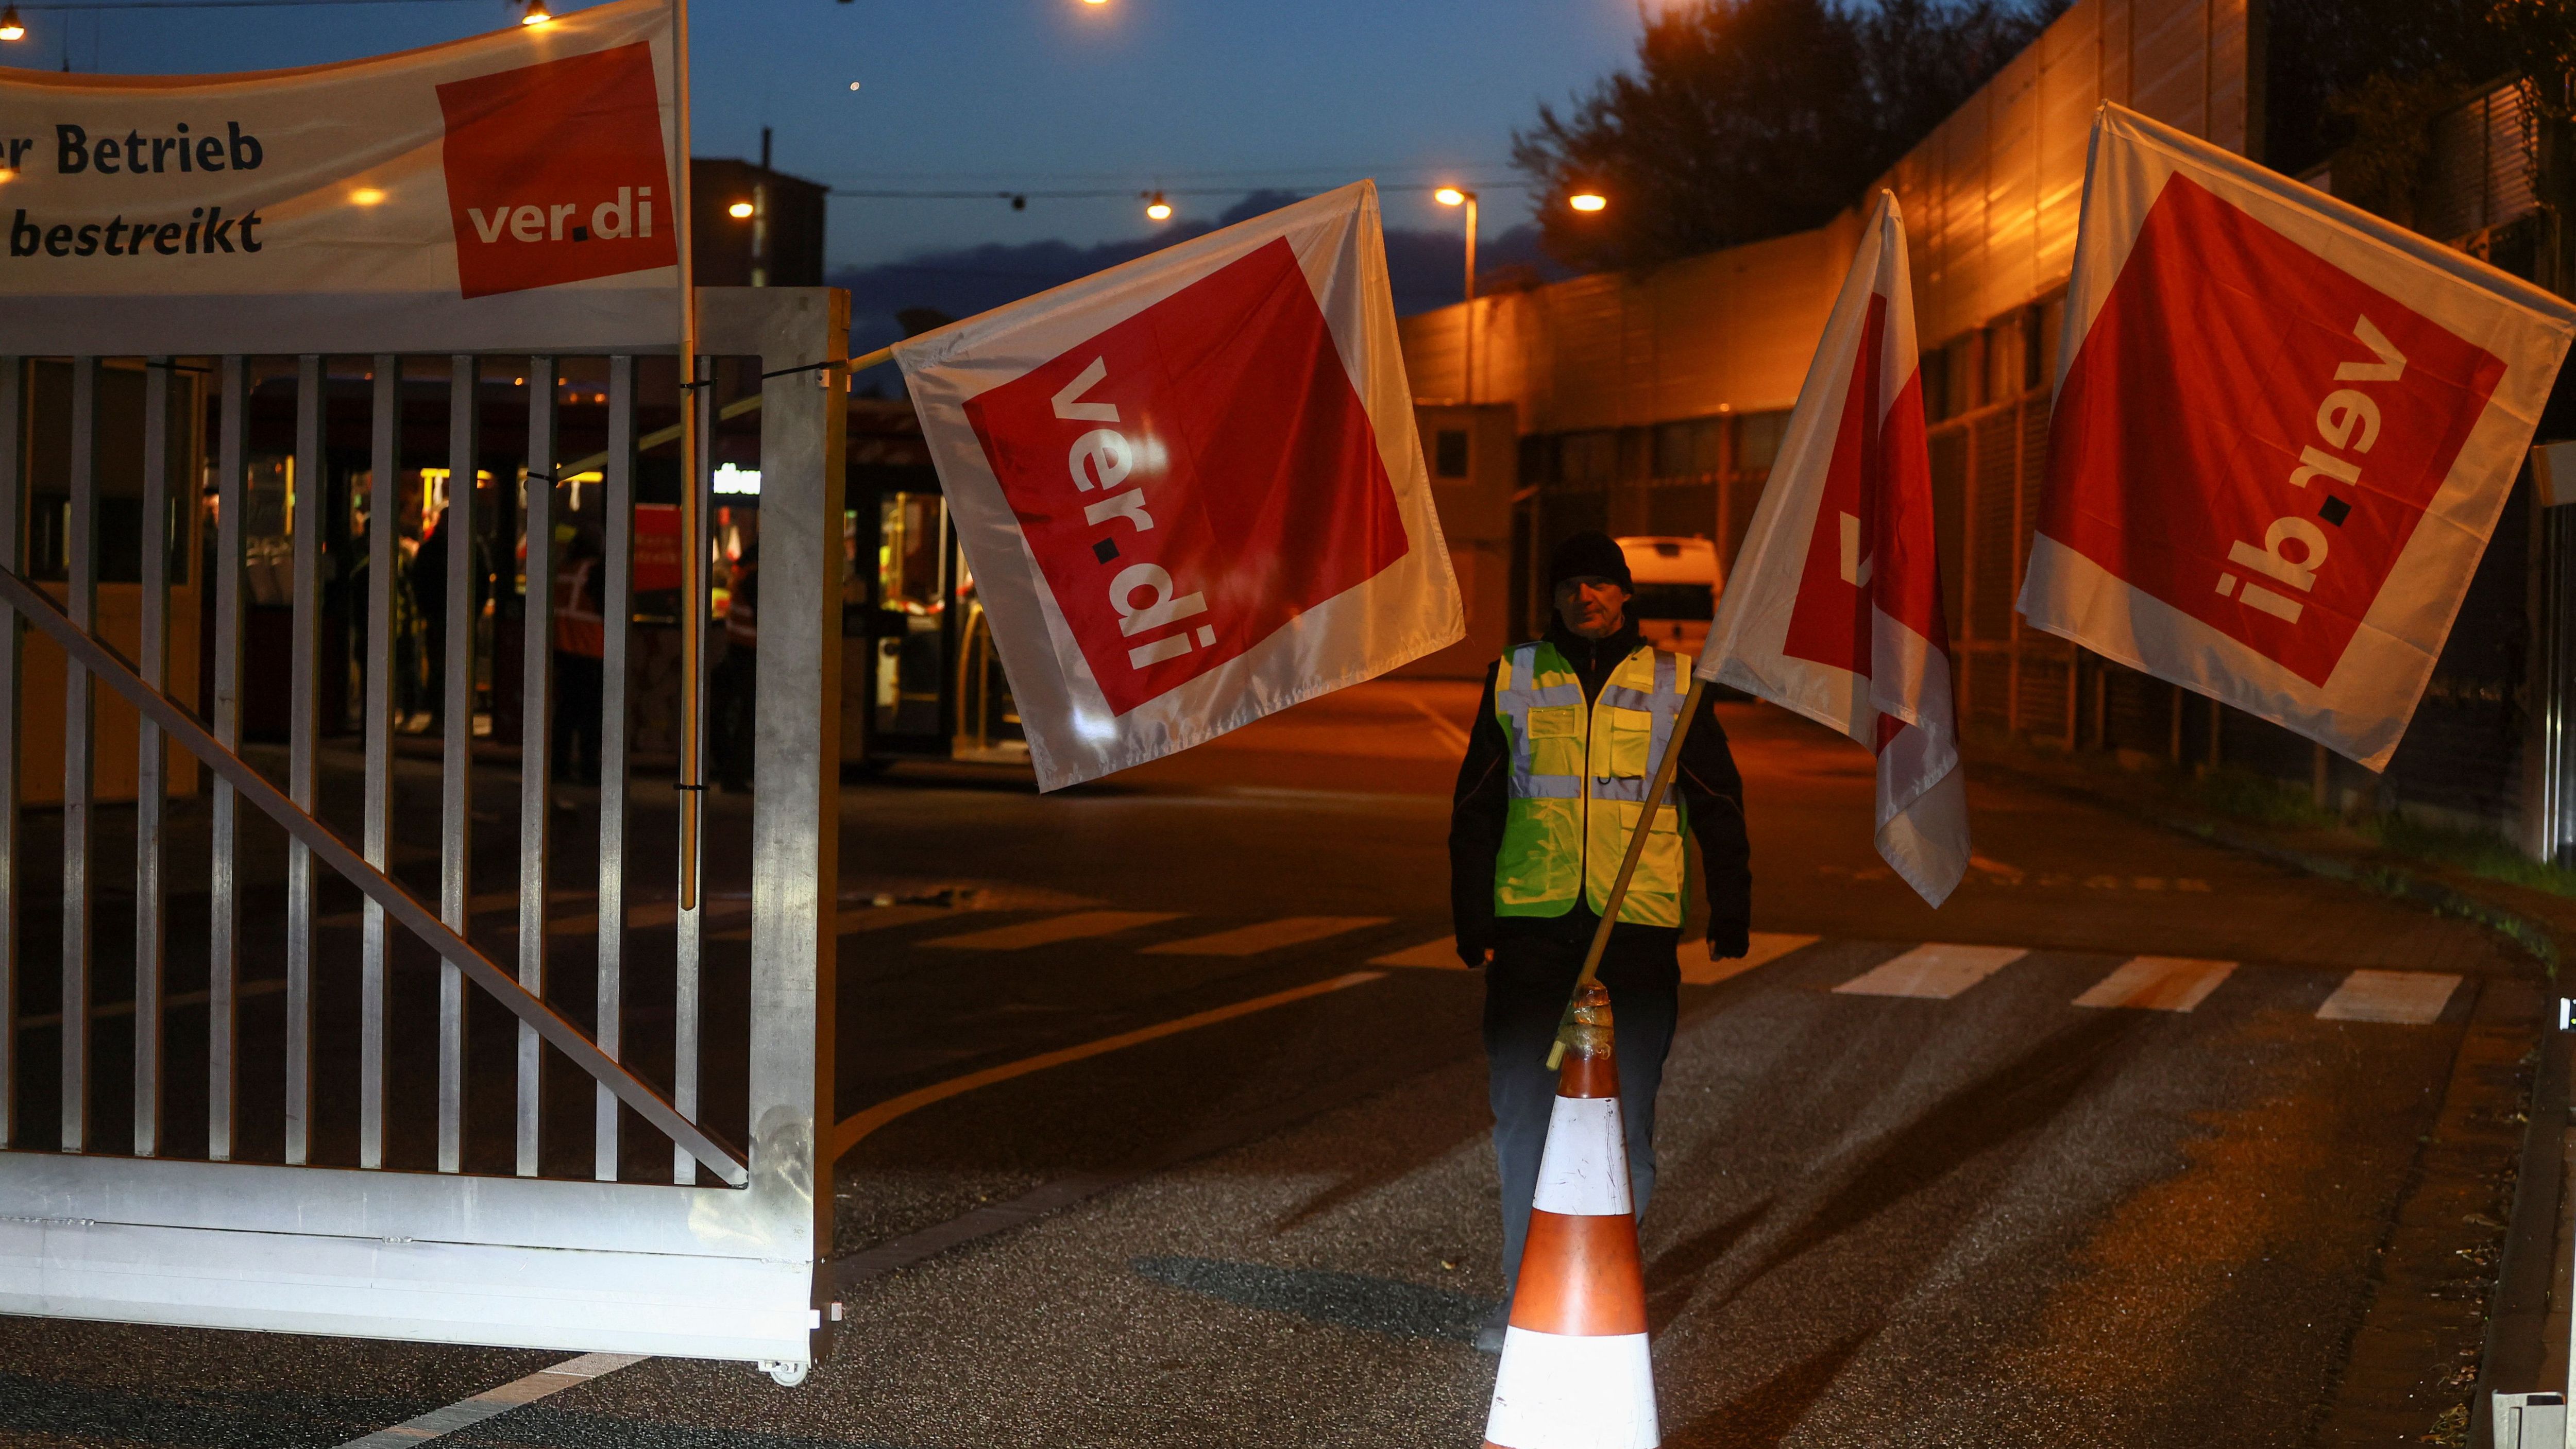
(1578, 784)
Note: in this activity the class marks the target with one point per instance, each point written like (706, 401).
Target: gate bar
(337, 853)
(13, 443)
(384, 457)
(223, 905)
(152, 764)
(456, 777)
(616, 613)
(80, 722)
(688, 924)
(311, 487)
(536, 747)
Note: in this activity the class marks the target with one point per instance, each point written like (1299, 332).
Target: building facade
(1653, 403)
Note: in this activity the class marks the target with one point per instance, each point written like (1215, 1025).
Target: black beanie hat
(1589, 554)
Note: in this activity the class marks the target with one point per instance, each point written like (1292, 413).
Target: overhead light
(366, 196)
(11, 27)
(1449, 196)
(537, 13)
(1587, 201)
(739, 211)
(1155, 206)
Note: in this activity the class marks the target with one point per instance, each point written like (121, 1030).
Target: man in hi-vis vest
(1572, 727)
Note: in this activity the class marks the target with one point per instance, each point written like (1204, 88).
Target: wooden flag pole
(1655, 789)
(693, 511)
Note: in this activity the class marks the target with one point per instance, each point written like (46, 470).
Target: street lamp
(1157, 208)
(11, 28)
(537, 14)
(1587, 201)
(740, 211)
(1452, 196)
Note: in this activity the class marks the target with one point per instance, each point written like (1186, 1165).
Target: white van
(1677, 584)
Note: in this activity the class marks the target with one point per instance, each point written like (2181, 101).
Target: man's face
(1592, 608)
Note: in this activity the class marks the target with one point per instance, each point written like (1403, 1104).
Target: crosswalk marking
(1768, 946)
(1934, 972)
(1266, 936)
(1440, 955)
(2158, 983)
(2409, 998)
(852, 923)
(1076, 926)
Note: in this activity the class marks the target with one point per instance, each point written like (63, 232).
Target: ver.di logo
(555, 173)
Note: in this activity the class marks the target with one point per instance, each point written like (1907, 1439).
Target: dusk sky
(1206, 99)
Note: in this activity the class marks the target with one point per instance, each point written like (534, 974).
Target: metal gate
(716, 1257)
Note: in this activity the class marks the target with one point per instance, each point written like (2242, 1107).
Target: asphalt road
(2037, 1193)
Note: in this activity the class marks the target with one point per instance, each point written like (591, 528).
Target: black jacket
(1706, 782)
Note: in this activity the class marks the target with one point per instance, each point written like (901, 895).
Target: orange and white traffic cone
(1575, 1373)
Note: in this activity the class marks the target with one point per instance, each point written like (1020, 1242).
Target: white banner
(509, 192)
(1833, 608)
(1189, 488)
(2284, 431)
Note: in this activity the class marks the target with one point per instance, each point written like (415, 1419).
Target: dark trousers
(733, 688)
(579, 680)
(1526, 987)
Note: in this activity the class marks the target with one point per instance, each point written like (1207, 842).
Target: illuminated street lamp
(1157, 208)
(11, 28)
(740, 211)
(1452, 196)
(537, 14)
(1587, 201)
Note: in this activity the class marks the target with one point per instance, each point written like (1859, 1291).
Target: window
(1588, 459)
(1759, 441)
(1449, 453)
(1689, 449)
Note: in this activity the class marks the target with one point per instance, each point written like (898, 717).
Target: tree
(1744, 119)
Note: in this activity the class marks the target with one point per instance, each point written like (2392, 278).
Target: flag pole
(693, 511)
(1655, 789)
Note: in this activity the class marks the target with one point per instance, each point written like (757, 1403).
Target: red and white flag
(1190, 487)
(2284, 431)
(1834, 606)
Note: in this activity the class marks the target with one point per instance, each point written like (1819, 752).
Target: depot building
(1650, 405)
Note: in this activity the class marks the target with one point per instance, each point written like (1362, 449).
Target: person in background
(429, 589)
(1572, 726)
(581, 642)
(731, 686)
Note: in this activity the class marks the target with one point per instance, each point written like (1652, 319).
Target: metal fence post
(795, 859)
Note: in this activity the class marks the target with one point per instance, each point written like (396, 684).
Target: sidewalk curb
(2533, 936)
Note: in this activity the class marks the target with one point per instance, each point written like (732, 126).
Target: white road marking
(850, 1130)
(1448, 727)
(1076, 926)
(1768, 946)
(267, 986)
(1266, 936)
(1934, 972)
(852, 923)
(492, 1403)
(1440, 955)
(2408, 998)
(2158, 983)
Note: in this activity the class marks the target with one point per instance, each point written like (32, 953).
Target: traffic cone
(1574, 1373)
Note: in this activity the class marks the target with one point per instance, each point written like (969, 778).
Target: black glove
(1727, 942)
(1473, 952)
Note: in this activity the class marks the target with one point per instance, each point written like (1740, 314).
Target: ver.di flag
(1189, 488)
(1834, 606)
(2284, 432)
(513, 191)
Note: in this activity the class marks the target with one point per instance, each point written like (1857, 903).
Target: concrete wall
(1991, 200)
